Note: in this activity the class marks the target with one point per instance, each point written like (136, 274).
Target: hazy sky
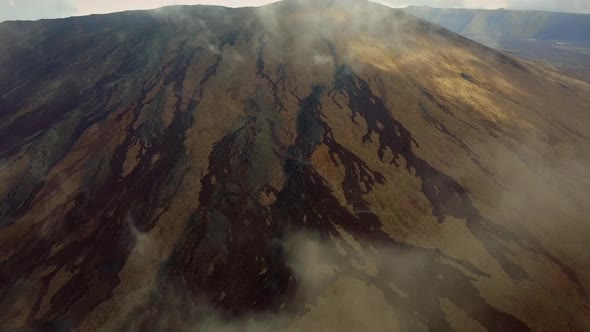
(35, 9)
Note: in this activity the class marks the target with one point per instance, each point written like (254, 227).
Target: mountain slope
(296, 166)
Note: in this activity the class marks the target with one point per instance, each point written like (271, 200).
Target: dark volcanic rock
(204, 166)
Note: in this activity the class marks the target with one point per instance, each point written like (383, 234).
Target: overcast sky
(35, 9)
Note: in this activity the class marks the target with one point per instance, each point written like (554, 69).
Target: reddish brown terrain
(300, 166)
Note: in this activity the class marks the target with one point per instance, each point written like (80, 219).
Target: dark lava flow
(445, 194)
(112, 205)
(232, 256)
(232, 253)
(308, 197)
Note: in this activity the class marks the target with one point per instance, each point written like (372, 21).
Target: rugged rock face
(293, 167)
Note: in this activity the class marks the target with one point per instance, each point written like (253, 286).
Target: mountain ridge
(508, 24)
(492, 10)
(551, 39)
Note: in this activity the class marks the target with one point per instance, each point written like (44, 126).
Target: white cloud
(485, 4)
(488, 4)
(84, 7)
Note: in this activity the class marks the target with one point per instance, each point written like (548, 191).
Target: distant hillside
(508, 24)
(559, 40)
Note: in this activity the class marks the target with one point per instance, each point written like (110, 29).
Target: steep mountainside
(299, 166)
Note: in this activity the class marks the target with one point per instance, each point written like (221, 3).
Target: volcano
(333, 166)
